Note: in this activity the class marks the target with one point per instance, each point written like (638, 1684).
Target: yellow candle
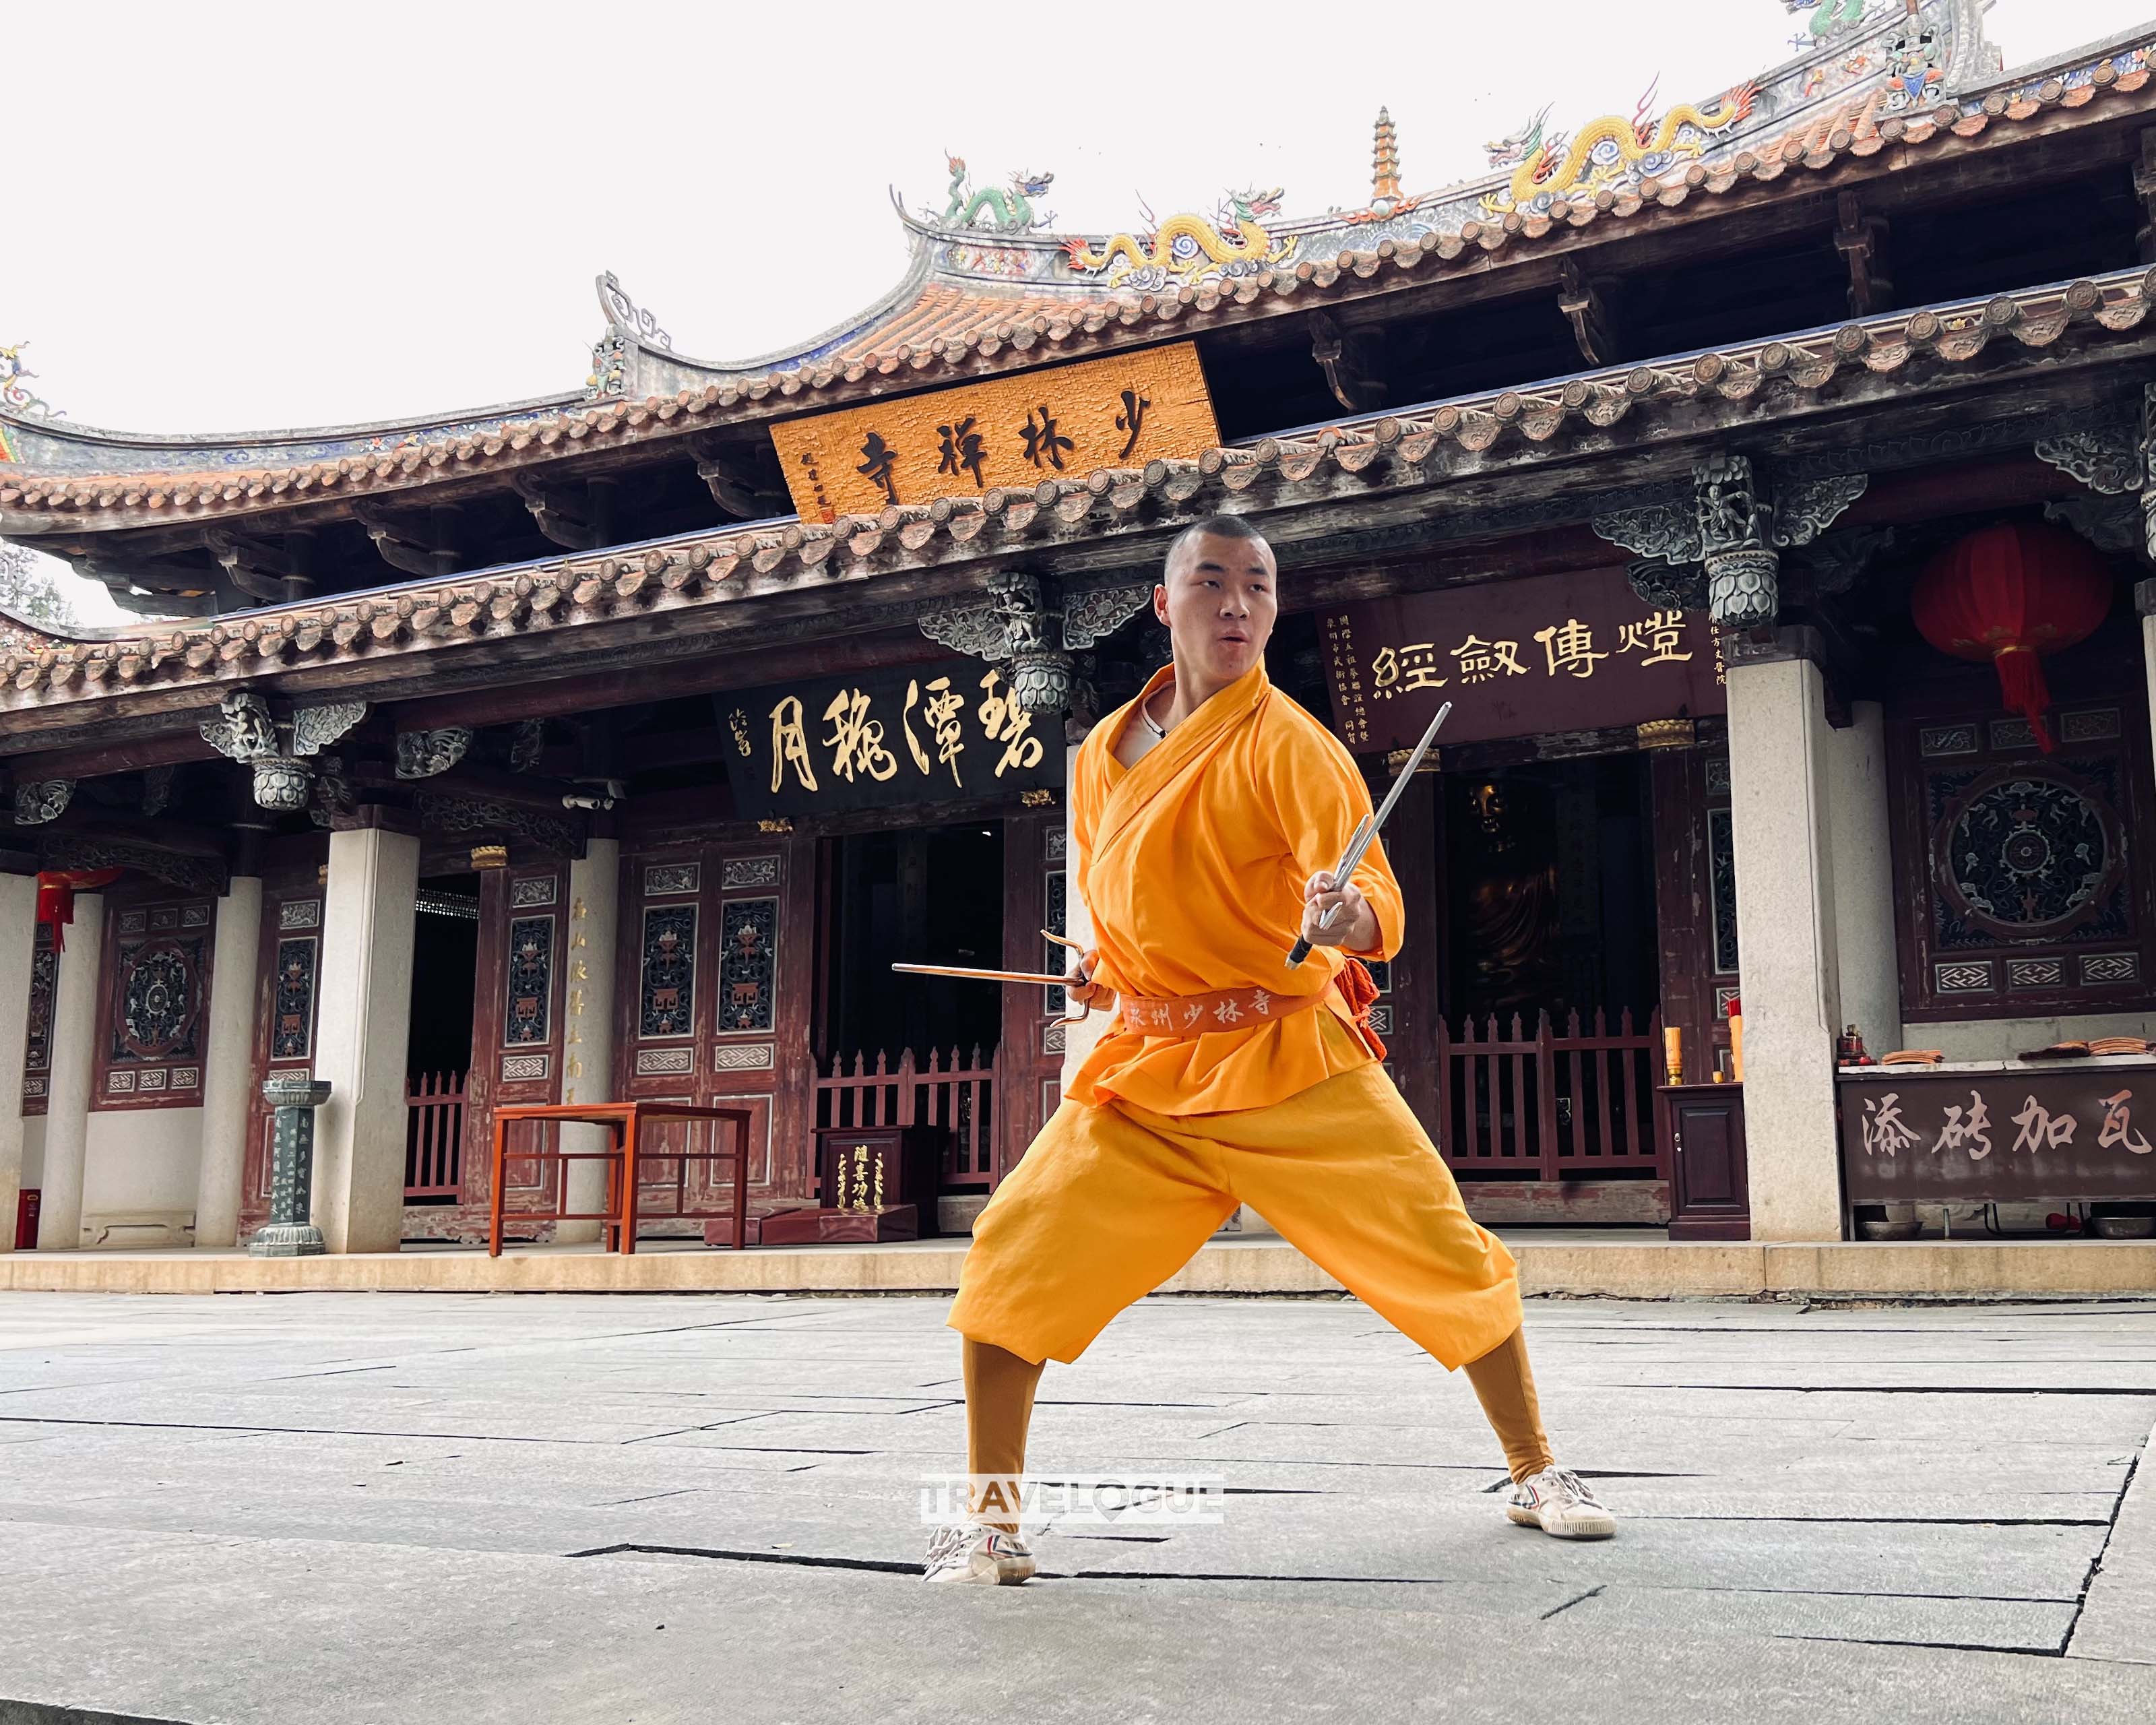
(1737, 1047)
(1673, 1053)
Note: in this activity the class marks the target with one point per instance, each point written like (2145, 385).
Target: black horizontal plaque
(940, 733)
(2088, 1131)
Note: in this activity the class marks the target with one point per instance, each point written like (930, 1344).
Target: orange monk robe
(1193, 864)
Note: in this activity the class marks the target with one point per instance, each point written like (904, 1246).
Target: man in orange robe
(1205, 817)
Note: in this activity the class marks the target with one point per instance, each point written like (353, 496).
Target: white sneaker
(1559, 1501)
(970, 1551)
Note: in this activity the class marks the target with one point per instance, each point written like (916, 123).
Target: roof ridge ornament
(1008, 210)
(15, 397)
(1830, 18)
(1385, 164)
(1611, 151)
(625, 317)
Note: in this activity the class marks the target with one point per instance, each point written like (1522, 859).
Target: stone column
(1779, 820)
(18, 933)
(364, 1022)
(228, 1066)
(75, 1061)
(587, 1024)
(1870, 973)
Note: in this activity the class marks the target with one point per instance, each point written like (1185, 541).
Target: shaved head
(1216, 595)
(1183, 550)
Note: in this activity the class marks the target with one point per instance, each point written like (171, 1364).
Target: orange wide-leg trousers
(1110, 1201)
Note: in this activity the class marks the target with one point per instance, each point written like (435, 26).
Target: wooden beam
(432, 558)
(172, 837)
(1861, 240)
(2144, 189)
(98, 760)
(573, 694)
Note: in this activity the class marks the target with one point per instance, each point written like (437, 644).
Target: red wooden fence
(1549, 1106)
(433, 1135)
(956, 1095)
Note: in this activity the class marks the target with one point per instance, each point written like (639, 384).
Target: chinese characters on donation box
(1571, 652)
(1061, 422)
(932, 733)
(2084, 1129)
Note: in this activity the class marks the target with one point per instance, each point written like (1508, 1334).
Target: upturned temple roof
(703, 581)
(988, 290)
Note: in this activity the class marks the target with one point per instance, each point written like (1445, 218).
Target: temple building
(1770, 483)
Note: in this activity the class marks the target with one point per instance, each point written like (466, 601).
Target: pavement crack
(1940, 1646)
(800, 1560)
(2096, 1563)
(1892, 1521)
(1569, 1603)
(446, 1437)
(2143, 1393)
(1181, 1575)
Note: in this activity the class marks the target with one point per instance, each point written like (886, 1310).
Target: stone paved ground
(354, 1508)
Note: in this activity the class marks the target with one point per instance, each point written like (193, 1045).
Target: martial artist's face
(1219, 599)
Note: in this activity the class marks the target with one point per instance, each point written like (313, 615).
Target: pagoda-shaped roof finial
(1385, 164)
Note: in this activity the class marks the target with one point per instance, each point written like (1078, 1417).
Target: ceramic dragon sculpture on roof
(1185, 248)
(13, 395)
(1829, 18)
(1009, 211)
(1607, 149)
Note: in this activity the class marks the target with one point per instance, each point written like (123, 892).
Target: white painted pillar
(1862, 854)
(364, 1022)
(228, 1066)
(588, 1022)
(18, 935)
(74, 1061)
(1780, 822)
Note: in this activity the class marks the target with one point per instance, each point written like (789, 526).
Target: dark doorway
(932, 896)
(1550, 891)
(439, 1051)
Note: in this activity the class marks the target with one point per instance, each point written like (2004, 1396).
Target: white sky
(243, 216)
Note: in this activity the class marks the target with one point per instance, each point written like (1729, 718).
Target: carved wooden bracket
(1581, 301)
(1734, 522)
(1353, 362)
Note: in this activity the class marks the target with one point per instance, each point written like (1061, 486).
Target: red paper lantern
(56, 891)
(2010, 593)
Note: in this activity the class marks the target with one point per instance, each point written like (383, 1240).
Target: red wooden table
(625, 1121)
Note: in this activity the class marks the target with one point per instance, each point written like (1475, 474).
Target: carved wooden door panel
(517, 1050)
(713, 990)
(1695, 903)
(287, 984)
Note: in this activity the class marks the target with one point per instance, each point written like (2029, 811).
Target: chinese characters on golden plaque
(934, 733)
(1573, 652)
(1013, 432)
(865, 1192)
(1979, 1137)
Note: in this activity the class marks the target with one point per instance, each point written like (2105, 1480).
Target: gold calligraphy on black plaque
(940, 733)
